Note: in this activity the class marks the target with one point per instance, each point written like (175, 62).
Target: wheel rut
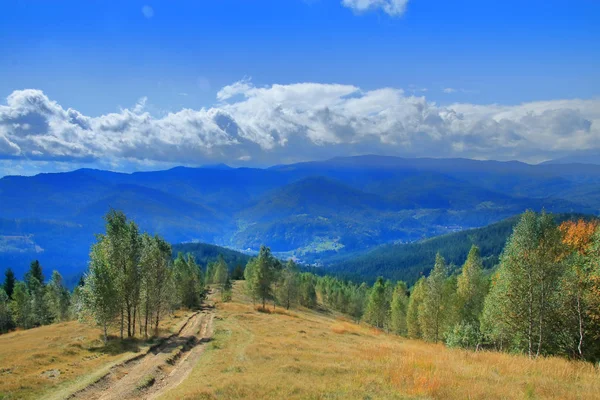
(160, 369)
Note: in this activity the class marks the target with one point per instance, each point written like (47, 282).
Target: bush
(463, 335)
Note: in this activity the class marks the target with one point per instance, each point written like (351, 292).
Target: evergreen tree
(398, 309)
(221, 273)
(415, 301)
(357, 303)
(376, 312)
(9, 282)
(288, 288)
(35, 272)
(238, 273)
(263, 275)
(308, 293)
(6, 322)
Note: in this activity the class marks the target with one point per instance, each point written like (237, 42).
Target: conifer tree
(35, 272)
(415, 301)
(376, 312)
(6, 322)
(263, 275)
(9, 282)
(398, 309)
(288, 288)
(308, 293)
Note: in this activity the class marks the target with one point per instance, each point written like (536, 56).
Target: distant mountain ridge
(312, 210)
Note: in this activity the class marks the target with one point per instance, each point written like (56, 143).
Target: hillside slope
(410, 261)
(304, 354)
(308, 210)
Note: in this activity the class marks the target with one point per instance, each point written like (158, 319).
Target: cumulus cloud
(394, 8)
(286, 123)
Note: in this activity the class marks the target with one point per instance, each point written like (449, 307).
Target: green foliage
(261, 274)
(529, 299)
(471, 288)
(415, 301)
(100, 292)
(35, 272)
(9, 282)
(376, 312)
(238, 273)
(57, 297)
(206, 254)
(398, 309)
(22, 306)
(288, 286)
(434, 311)
(464, 335)
(6, 321)
(188, 281)
(308, 293)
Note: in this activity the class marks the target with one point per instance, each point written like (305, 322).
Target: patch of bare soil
(160, 369)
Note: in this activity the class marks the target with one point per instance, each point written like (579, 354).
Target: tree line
(33, 302)
(543, 298)
(131, 283)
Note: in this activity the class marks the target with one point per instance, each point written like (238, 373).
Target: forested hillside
(408, 262)
(207, 253)
(313, 211)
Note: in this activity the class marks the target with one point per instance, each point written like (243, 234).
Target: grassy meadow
(55, 360)
(302, 354)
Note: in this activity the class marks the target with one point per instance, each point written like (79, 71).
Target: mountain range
(314, 211)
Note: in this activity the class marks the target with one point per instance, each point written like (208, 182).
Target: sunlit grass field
(318, 355)
(54, 360)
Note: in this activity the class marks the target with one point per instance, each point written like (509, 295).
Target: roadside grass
(55, 360)
(301, 354)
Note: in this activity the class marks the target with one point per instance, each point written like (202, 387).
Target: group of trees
(268, 279)
(543, 297)
(132, 282)
(33, 302)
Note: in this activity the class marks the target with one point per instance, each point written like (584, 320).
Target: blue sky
(532, 64)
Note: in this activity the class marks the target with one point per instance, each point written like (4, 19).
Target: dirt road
(159, 370)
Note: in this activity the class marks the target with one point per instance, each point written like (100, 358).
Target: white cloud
(449, 90)
(394, 8)
(303, 121)
(148, 11)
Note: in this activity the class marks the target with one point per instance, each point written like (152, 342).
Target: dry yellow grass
(37, 362)
(304, 354)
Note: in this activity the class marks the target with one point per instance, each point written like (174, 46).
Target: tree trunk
(122, 321)
(105, 333)
(128, 321)
(134, 314)
(157, 320)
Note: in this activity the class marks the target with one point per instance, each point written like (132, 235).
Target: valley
(317, 212)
